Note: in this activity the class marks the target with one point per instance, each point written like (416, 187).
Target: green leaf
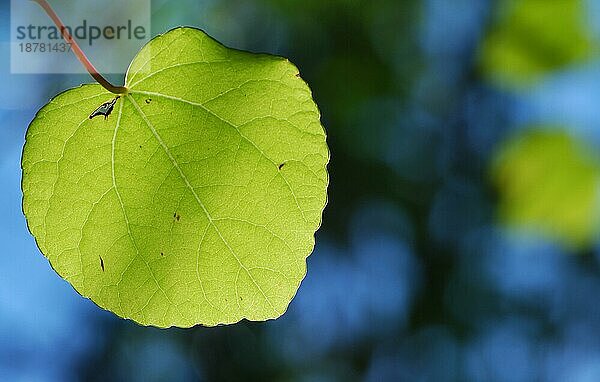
(197, 200)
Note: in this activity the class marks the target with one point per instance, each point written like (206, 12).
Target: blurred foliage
(549, 181)
(532, 38)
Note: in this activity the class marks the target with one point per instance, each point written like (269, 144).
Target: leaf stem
(78, 52)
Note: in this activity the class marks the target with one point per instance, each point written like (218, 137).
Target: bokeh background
(461, 241)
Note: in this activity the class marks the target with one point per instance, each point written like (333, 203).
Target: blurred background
(461, 241)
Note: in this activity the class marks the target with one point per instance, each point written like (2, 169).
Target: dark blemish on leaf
(105, 109)
(281, 166)
(298, 75)
(162, 254)
(140, 146)
(101, 263)
(148, 101)
(176, 216)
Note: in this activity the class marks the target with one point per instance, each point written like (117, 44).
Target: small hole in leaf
(148, 101)
(102, 263)
(281, 166)
(105, 109)
(162, 253)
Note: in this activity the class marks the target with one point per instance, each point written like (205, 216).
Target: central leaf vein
(197, 198)
(114, 181)
(228, 123)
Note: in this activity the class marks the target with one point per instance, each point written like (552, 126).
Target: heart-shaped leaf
(193, 198)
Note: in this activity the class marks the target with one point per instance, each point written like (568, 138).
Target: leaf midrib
(197, 198)
(234, 127)
(114, 181)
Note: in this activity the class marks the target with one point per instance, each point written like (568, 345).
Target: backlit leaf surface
(197, 200)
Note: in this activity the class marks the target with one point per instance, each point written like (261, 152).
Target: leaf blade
(218, 204)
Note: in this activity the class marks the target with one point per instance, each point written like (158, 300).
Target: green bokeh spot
(549, 182)
(532, 38)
